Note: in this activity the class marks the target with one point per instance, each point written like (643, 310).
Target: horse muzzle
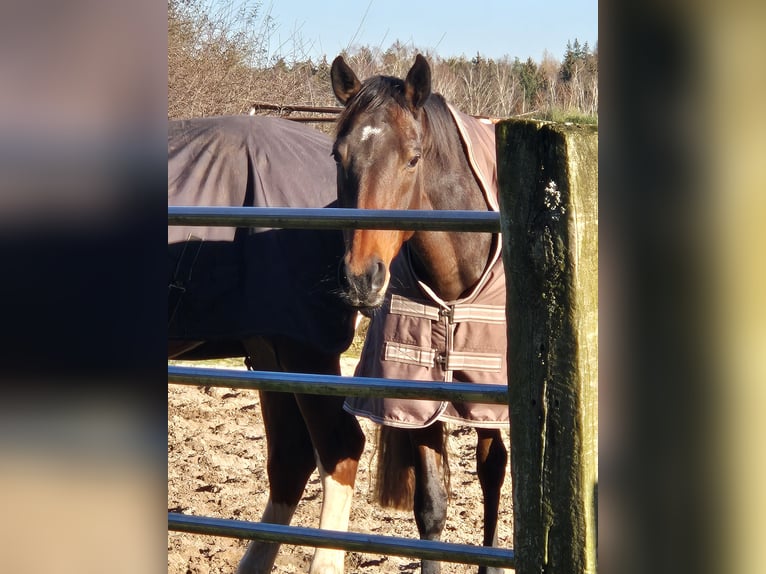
(366, 290)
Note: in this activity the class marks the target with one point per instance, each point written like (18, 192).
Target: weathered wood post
(548, 178)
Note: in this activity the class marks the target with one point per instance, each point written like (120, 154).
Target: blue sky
(494, 28)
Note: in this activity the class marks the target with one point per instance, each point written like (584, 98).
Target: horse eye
(336, 156)
(414, 161)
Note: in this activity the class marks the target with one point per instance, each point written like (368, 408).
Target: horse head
(378, 148)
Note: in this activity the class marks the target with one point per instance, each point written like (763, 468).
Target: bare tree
(220, 61)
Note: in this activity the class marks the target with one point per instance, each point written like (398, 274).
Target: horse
(436, 299)
(269, 295)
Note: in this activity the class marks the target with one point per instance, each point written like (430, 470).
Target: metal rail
(335, 218)
(339, 386)
(349, 541)
(285, 111)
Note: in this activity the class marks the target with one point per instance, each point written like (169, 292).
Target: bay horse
(269, 295)
(400, 146)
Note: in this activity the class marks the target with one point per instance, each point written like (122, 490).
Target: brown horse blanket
(225, 284)
(416, 335)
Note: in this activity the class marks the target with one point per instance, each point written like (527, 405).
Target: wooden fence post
(548, 179)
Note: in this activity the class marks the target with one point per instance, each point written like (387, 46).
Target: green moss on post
(548, 178)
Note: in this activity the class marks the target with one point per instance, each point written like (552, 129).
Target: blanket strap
(452, 360)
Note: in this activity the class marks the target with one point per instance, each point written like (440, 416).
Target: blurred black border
(645, 273)
(661, 501)
(83, 128)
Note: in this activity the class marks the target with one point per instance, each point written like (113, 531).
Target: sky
(493, 28)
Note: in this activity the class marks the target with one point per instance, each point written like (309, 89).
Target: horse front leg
(430, 503)
(491, 458)
(290, 464)
(339, 442)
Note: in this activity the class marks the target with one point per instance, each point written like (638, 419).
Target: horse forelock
(380, 91)
(375, 93)
(442, 146)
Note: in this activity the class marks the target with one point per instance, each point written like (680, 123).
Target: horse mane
(441, 141)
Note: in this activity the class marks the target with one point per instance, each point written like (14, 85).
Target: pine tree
(573, 58)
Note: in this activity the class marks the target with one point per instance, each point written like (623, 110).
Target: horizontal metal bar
(297, 108)
(335, 218)
(349, 541)
(308, 119)
(339, 386)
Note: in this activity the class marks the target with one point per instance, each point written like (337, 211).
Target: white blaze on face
(369, 131)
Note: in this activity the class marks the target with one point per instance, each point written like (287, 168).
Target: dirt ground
(217, 468)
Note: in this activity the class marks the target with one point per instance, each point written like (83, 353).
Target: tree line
(219, 63)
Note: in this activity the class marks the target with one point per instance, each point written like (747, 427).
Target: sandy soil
(217, 467)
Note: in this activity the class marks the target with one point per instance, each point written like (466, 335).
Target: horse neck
(449, 262)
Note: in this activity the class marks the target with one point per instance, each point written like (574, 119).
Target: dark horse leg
(290, 457)
(430, 503)
(491, 458)
(290, 463)
(305, 432)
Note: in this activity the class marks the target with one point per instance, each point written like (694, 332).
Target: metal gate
(338, 218)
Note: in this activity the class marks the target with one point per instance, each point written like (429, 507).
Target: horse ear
(345, 84)
(417, 85)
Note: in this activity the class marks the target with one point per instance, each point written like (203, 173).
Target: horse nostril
(377, 276)
(365, 289)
